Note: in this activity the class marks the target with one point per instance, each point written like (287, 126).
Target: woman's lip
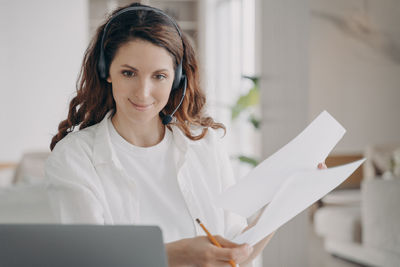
(141, 107)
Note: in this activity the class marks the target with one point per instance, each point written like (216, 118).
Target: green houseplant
(247, 104)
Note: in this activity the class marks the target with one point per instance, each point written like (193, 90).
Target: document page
(303, 153)
(295, 195)
(289, 180)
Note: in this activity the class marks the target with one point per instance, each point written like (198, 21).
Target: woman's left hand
(322, 166)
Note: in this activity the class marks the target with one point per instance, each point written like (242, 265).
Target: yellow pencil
(213, 240)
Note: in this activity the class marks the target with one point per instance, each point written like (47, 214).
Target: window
(230, 54)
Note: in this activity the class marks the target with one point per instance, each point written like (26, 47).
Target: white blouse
(160, 199)
(88, 184)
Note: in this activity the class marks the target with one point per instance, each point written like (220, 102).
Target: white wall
(283, 49)
(311, 60)
(41, 48)
(355, 69)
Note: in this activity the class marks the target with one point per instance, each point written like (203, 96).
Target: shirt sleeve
(234, 223)
(73, 199)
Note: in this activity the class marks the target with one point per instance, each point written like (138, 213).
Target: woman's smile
(140, 106)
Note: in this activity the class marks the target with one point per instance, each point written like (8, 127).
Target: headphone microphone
(168, 118)
(180, 79)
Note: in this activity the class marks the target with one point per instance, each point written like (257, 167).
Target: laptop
(48, 245)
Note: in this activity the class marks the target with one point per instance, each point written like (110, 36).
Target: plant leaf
(255, 121)
(248, 160)
(252, 98)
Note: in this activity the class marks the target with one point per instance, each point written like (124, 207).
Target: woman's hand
(322, 166)
(200, 252)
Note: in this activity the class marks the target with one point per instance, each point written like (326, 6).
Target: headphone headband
(145, 8)
(102, 64)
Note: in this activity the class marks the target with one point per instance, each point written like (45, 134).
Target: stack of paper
(288, 180)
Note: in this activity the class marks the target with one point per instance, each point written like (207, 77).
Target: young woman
(145, 152)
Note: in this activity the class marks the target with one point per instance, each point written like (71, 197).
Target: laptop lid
(81, 245)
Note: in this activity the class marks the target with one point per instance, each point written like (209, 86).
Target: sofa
(363, 225)
(23, 197)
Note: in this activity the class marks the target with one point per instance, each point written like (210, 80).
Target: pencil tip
(198, 220)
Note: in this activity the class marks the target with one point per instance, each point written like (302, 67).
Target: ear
(109, 79)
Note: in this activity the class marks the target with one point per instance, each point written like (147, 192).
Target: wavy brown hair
(94, 97)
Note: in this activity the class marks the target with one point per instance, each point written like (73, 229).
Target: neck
(139, 134)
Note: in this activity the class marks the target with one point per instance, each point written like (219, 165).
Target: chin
(144, 118)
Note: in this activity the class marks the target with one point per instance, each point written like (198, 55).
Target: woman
(128, 163)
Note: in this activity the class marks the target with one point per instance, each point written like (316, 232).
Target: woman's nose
(143, 88)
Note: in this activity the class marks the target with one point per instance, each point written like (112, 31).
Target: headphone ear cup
(101, 66)
(178, 77)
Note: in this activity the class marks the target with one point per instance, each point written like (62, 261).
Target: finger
(221, 264)
(233, 251)
(224, 264)
(225, 243)
(238, 254)
(322, 166)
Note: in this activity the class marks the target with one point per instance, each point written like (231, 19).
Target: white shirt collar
(103, 152)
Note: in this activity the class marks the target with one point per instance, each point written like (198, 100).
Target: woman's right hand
(200, 252)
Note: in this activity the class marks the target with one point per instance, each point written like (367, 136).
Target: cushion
(343, 197)
(30, 169)
(341, 223)
(381, 214)
(26, 203)
(378, 160)
(6, 176)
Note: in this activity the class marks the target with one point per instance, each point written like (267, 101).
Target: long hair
(94, 97)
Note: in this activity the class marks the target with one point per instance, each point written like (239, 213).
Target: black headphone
(179, 78)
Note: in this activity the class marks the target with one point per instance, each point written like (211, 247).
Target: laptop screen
(81, 245)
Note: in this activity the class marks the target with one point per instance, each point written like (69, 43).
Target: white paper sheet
(303, 153)
(296, 194)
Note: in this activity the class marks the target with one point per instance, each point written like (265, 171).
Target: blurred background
(268, 68)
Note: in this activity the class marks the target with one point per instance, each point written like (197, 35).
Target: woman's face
(141, 75)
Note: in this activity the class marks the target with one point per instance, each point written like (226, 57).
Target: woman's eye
(160, 77)
(127, 73)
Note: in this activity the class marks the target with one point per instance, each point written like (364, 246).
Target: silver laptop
(81, 245)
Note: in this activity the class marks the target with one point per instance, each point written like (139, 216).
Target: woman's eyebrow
(135, 69)
(127, 66)
(161, 70)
